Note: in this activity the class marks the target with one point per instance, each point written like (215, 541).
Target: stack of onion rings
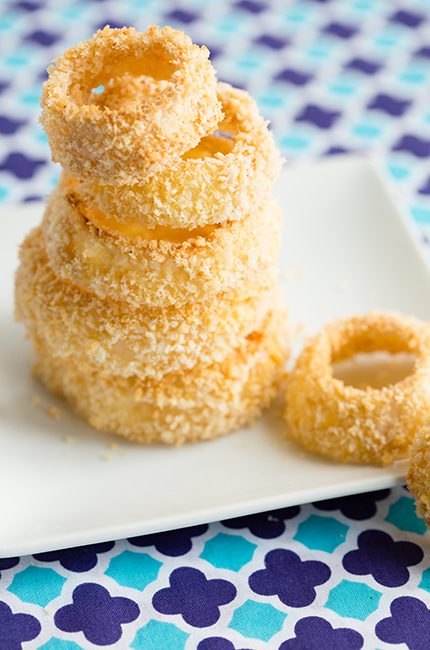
(150, 290)
(146, 342)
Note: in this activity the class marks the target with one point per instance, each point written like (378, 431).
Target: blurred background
(333, 76)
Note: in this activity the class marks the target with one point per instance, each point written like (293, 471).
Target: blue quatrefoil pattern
(333, 76)
(347, 573)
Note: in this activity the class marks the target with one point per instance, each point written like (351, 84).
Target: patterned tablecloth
(333, 76)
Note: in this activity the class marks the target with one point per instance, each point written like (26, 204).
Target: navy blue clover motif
(173, 542)
(318, 116)
(340, 30)
(271, 41)
(383, 558)
(20, 165)
(8, 563)
(15, 629)
(407, 18)
(181, 16)
(409, 623)
(266, 525)
(9, 126)
(335, 150)
(365, 66)
(27, 5)
(216, 643)
(357, 507)
(423, 52)
(78, 559)
(294, 77)
(97, 614)
(196, 598)
(389, 104)
(251, 6)
(42, 37)
(314, 633)
(291, 579)
(410, 143)
(425, 187)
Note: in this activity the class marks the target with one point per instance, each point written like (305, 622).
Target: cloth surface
(332, 76)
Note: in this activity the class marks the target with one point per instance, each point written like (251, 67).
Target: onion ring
(185, 407)
(159, 272)
(352, 425)
(222, 179)
(109, 337)
(418, 476)
(159, 99)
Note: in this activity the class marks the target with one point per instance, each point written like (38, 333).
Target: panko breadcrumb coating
(158, 272)
(159, 99)
(150, 291)
(222, 179)
(418, 475)
(353, 425)
(199, 404)
(102, 335)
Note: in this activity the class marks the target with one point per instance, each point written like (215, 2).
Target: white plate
(347, 249)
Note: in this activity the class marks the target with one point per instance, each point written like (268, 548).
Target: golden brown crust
(159, 100)
(418, 476)
(114, 339)
(159, 272)
(185, 407)
(352, 425)
(222, 180)
(149, 290)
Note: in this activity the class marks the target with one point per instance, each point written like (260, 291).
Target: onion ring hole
(374, 369)
(218, 142)
(125, 78)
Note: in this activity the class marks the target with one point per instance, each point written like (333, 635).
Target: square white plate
(347, 249)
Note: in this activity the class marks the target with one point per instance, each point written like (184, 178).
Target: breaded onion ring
(159, 272)
(200, 404)
(159, 100)
(418, 475)
(353, 425)
(222, 179)
(115, 340)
